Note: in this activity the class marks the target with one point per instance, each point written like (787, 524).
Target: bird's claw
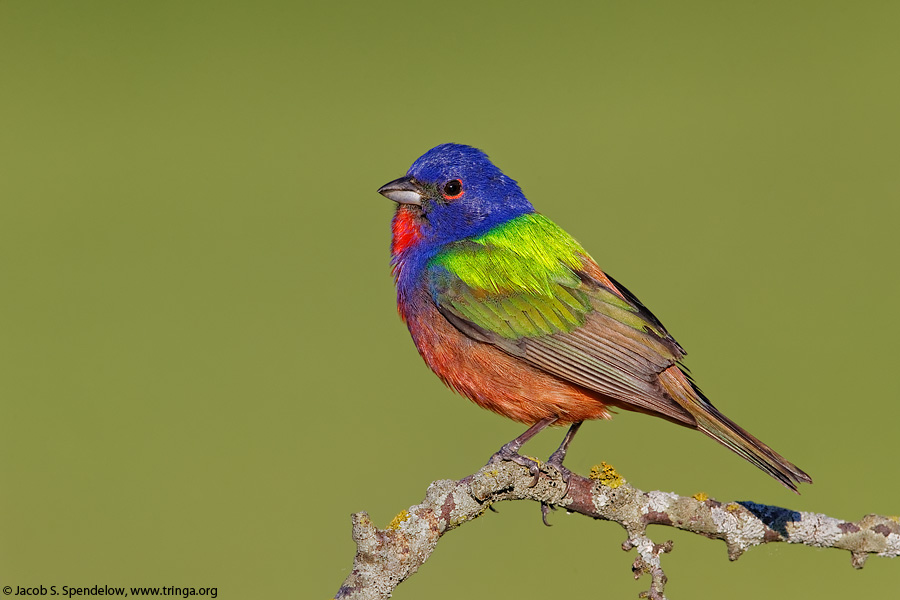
(510, 452)
(545, 510)
(511, 455)
(534, 467)
(565, 474)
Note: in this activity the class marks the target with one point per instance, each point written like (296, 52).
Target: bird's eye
(453, 189)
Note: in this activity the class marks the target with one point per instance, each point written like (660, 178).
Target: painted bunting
(511, 312)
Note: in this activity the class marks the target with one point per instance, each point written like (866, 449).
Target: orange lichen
(396, 521)
(607, 475)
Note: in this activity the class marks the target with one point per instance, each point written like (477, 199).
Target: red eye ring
(453, 189)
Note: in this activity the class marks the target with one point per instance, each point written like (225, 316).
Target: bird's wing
(529, 289)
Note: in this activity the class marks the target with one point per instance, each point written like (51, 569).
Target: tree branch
(386, 557)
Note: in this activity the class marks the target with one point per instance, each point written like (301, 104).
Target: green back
(525, 279)
(517, 280)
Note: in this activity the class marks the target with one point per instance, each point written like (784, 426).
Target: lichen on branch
(386, 557)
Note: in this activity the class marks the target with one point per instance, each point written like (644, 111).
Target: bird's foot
(510, 453)
(565, 474)
(556, 461)
(545, 510)
(510, 450)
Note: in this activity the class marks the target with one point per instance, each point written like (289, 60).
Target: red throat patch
(405, 230)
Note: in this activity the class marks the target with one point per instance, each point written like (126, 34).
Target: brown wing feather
(622, 352)
(613, 359)
(619, 350)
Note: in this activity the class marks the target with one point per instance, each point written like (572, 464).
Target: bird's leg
(556, 459)
(510, 451)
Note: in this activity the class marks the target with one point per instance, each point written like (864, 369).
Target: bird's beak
(402, 191)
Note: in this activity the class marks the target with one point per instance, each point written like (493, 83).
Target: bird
(508, 310)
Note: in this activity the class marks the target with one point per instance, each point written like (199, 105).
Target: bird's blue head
(450, 193)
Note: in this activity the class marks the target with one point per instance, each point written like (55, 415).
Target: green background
(203, 373)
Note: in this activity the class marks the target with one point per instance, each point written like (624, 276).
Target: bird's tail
(728, 433)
